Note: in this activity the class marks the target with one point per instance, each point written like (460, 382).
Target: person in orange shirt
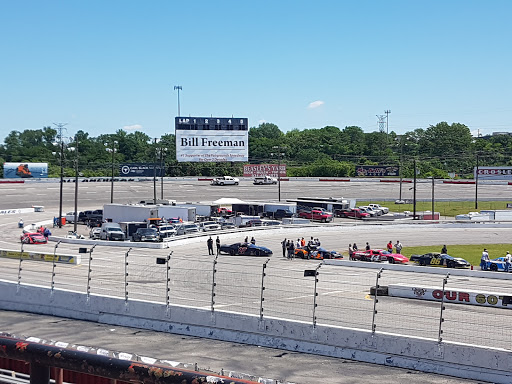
(302, 242)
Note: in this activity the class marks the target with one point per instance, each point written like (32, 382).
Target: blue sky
(100, 66)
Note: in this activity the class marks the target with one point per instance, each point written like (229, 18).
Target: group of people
(209, 242)
(289, 246)
(485, 259)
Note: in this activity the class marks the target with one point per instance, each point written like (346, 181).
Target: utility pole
(60, 128)
(433, 211)
(387, 112)
(381, 122)
(179, 88)
(476, 182)
(414, 193)
(76, 185)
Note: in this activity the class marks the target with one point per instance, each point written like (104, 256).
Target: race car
(436, 259)
(245, 249)
(380, 255)
(319, 253)
(496, 265)
(33, 238)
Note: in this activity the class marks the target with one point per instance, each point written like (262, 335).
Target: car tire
(493, 268)
(422, 263)
(257, 252)
(26, 240)
(391, 260)
(236, 183)
(232, 252)
(221, 183)
(450, 264)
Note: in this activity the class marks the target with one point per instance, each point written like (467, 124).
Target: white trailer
(242, 220)
(499, 214)
(202, 209)
(184, 213)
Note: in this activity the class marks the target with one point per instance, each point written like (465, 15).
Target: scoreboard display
(213, 139)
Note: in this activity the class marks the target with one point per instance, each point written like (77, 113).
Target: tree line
(437, 151)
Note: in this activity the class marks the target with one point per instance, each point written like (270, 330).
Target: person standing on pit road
(210, 246)
(350, 251)
(253, 241)
(285, 244)
(444, 249)
(398, 247)
(217, 242)
(508, 260)
(484, 260)
(390, 246)
(291, 250)
(368, 246)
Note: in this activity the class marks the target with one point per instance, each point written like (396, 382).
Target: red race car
(33, 238)
(380, 255)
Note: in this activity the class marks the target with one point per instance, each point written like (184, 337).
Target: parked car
(245, 249)
(146, 234)
(94, 233)
(165, 231)
(70, 217)
(316, 215)
(379, 255)
(33, 238)
(186, 228)
(436, 259)
(355, 213)
(370, 211)
(225, 180)
(208, 226)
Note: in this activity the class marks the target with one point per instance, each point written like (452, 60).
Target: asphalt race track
(343, 291)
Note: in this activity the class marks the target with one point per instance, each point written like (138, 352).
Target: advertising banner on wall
(140, 170)
(260, 170)
(212, 139)
(377, 170)
(494, 173)
(25, 170)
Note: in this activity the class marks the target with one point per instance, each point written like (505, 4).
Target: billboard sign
(140, 170)
(377, 170)
(25, 170)
(261, 170)
(494, 173)
(212, 139)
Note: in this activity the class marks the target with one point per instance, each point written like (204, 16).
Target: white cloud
(134, 127)
(262, 121)
(315, 104)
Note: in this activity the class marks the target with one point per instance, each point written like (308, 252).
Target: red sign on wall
(260, 170)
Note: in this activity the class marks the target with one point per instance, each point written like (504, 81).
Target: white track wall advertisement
(494, 173)
(201, 139)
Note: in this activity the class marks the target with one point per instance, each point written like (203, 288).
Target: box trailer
(206, 210)
(118, 213)
(499, 214)
(251, 209)
(272, 207)
(183, 213)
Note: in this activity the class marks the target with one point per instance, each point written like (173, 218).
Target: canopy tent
(228, 201)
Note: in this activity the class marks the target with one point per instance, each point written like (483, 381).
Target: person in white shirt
(508, 260)
(484, 260)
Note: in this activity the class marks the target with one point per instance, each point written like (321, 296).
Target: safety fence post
(213, 282)
(263, 274)
(441, 319)
(19, 269)
(316, 294)
(89, 270)
(53, 267)
(39, 373)
(126, 276)
(375, 300)
(167, 280)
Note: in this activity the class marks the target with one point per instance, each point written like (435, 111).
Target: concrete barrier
(455, 359)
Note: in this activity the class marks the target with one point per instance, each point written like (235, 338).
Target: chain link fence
(300, 290)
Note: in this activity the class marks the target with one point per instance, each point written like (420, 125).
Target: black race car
(245, 249)
(436, 259)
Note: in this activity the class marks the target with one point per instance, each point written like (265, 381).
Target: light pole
(61, 181)
(178, 87)
(476, 182)
(161, 151)
(76, 183)
(113, 151)
(279, 154)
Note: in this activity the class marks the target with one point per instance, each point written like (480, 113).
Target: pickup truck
(316, 215)
(354, 212)
(264, 180)
(225, 180)
(378, 206)
(278, 214)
